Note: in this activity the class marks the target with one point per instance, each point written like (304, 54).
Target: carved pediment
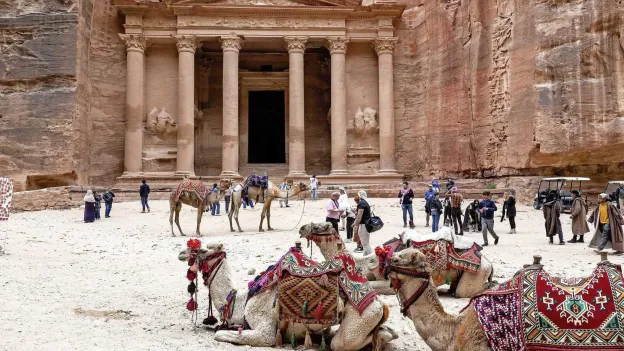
(339, 3)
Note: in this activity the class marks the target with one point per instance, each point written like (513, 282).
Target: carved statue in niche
(161, 124)
(364, 122)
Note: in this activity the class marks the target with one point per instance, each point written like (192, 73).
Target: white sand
(57, 264)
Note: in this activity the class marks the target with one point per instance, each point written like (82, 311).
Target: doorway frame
(260, 81)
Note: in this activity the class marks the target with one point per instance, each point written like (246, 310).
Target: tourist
(333, 210)
(608, 223)
(436, 185)
(471, 217)
(286, 188)
(349, 214)
(98, 205)
(343, 201)
(487, 207)
(144, 191)
(216, 206)
(619, 195)
(450, 184)
(247, 202)
(313, 187)
(552, 212)
(509, 208)
(108, 198)
(356, 236)
(456, 201)
(428, 196)
(89, 210)
(435, 207)
(228, 196)
(578, 214)
(406, 195)
(363, 215)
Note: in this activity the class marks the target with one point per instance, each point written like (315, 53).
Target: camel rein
(405, 305)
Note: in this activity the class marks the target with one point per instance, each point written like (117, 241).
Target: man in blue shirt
(428, 196)
(487, 208)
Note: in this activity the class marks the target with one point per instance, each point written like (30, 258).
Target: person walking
(406, 195)
(144, 191)
(286, 188)
(333, 210)
(578, 214)
(608, 223)
(216, 206)
(619, 194)
(363, 215)
(343, 201)
(487, 207)
(349, 214)
(98, 205)
(247, 202)
(471, 217)
(228, 195)
(356, 236)
(313, 187)
(89, 210)
(108, 198)
(456, 201)
(428, 196)
(435, 207)
(552, 213)
(509, 208)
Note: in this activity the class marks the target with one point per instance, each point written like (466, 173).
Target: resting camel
(200, 196)
(463, 283)
(441, 331)
(272, 192)
(355, 332)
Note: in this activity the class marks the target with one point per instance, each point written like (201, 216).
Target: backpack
(107, 197)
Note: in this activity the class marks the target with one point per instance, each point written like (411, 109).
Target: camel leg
(381, 287)
(200, 212)
(355, 331)
(258, 338)
(268, 214)
(177, 217)
(264, 209)
(172, 207)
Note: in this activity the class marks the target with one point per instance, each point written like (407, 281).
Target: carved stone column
(384, 48)
(296, 133)
(231, 46)
(186, 104)
(338, 49)
(135, 104)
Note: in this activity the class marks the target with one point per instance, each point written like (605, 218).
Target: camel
(411, 277)
(272, 192)
(199, 199)
(464, 284)
(355, 332)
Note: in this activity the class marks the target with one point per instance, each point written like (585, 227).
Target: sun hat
(362, 194)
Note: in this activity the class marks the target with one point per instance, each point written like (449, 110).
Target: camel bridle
(425, 276)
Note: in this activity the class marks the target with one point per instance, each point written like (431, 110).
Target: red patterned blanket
(192, 186)
(536, 311)
(442, 255)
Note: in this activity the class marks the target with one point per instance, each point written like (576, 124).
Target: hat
(576, 192)
(362, 194)
(341, 188)
(604, 196)
(335, 193)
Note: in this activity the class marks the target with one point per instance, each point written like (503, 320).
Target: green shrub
(490, 186)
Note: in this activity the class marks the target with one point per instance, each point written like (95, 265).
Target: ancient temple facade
(288, 87)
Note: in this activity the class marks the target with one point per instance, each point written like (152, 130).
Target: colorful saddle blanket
(194, 187)
(302, 281)
(442, 255)
(536, 311)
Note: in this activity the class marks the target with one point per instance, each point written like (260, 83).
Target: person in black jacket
(406, 194)
(144, 191)
(509, 207)
(472, 219)
(435, 206)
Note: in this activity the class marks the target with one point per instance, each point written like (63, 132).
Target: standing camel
(272, 192)
(196, 194)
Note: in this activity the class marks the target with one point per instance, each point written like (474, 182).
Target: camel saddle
(536, 311)
(196, 188)
(308, 291)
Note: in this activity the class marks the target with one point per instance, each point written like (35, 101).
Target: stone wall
(57, 198)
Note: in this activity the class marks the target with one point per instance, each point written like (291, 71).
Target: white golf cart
(562, 186)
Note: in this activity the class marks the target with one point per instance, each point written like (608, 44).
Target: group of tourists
(93, 205)
(352, 217)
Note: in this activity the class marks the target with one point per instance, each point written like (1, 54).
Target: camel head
(408, 264)
(302, 187)
(307, 231)
(225, 183)
(209, 250)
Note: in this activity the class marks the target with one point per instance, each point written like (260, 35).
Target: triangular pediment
(281, 3)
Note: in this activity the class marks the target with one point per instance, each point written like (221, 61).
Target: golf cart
(611, 191)
(562, 186)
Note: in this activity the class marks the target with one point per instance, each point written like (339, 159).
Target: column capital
(337, 45)
(384, 45)
(296, 44)
(134, 42)
(230, 42)
(186, 43)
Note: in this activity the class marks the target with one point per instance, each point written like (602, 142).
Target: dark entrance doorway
(267, 127)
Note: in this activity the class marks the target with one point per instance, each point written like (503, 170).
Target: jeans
(365, 239)
(407, 208)
(560, 230)
(227, 204)
(313, 194)
(512, 222)
(107, 209)
(97, 211)
(456, 219)
(334, 222)
(144, 203)
(216, 207)
(435, 222)
(350, 221)
(250, 204)
(605, 237)
(488, 226)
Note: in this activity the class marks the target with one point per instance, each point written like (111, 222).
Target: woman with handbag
(363, 215)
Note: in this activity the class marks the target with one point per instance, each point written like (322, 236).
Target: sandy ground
(117, 284)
